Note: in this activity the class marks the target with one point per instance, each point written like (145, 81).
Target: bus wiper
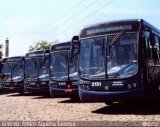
(34, 77)
(101, 43)
(74, 54)
(114, 40)
(97, 41)
(34, 61)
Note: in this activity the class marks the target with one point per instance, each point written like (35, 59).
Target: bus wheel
(1, 86)
(21, 92)
(109, 102)
(76, 98)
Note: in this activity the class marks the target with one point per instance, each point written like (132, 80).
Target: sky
(25, 22)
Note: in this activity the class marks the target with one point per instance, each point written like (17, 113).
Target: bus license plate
(11, 88)
(68, 90)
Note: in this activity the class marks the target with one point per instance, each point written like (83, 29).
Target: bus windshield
(18, 71)
(59, 65)
(31, 68)
(119, 58)
(6, 71)
(15, 68)
(44, 69)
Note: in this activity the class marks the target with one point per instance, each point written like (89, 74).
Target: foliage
(41, 45)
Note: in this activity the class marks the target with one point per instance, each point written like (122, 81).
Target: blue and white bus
(119, 61)
(63, 77)
(37, 71)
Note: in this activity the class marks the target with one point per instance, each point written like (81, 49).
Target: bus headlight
(74, 83)
(83, 86)
(129, 86)
(52, 85)
(15, 84)
(7, 84)
(87, 87)
(43, 83)
(134, 85)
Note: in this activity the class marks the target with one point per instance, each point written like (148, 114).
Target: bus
(64, 76)
(0, 74)
(119, 61)
(37, 71)
(13, 74)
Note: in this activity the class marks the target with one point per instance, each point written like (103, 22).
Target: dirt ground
(31, 107)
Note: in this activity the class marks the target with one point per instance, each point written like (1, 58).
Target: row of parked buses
(108, 62)
(53, 71)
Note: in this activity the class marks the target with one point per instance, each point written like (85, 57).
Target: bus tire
(75, 98)
(21, 92)
(109, 103)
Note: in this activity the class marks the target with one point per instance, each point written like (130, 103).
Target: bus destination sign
(107, 29)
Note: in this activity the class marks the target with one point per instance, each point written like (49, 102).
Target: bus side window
(148, 45)
(155, 48)
(159, 44)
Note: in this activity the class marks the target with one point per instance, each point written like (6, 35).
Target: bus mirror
(22, 61)
(108, 62)
(80, 71)
(21, 65)
(155, 53)
(74, 44)
(26, 76)
(46, 52)
(75, 40)
(152, 39)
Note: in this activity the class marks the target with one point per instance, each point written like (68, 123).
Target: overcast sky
(27, 21)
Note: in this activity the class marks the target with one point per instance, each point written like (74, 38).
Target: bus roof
(35, 53)
(12, 59)
(114, 26)
(61, 46)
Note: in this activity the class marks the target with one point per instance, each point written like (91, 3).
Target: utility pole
(7, 47)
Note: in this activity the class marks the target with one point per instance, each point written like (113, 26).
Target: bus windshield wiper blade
(34, 77)
(114, 40)
(97, 41)
(101, 43)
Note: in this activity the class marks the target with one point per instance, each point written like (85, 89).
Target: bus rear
(112, 62)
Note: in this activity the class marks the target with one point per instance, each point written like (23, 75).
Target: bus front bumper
(15, 87)
(63, 92)
(36, 89)
(12, 89)
(101, 96)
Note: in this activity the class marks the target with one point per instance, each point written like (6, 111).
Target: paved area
(29, 107)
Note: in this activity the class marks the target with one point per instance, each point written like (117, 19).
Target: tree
(41, 45)
(1, 53)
